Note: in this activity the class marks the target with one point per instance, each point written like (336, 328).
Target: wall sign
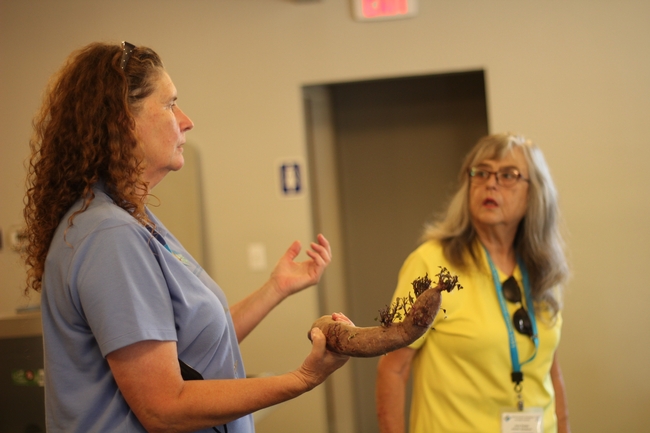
(291, 176)
(375, 10)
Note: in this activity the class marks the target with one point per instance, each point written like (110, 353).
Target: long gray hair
(538, 240)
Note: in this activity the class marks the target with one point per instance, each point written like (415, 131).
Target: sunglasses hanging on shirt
(520, 319)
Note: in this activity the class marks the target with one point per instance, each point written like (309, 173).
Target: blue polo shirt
(109, 283)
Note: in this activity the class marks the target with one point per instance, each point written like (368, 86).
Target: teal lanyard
(162, 241)
(159, 238)
(517, 376)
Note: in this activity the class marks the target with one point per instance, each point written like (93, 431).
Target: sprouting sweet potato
(417, 314)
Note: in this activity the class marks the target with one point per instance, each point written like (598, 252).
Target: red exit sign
(371, 10)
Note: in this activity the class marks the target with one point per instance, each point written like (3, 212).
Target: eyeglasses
(521, 319)
(127, 50)
(507, 177)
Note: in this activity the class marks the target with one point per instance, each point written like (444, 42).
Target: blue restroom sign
(291, 179)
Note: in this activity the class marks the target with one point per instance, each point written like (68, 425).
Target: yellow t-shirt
(461, 373)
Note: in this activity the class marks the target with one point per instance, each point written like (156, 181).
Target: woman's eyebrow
(505, 167)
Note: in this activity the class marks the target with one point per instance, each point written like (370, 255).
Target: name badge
(527, 421)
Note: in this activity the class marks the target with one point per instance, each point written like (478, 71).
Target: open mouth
(489, 202)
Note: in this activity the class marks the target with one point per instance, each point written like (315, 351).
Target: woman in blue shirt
(128, 314)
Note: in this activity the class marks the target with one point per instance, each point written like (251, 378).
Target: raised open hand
(289, 276)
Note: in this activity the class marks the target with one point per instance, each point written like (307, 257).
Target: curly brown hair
(85, 133)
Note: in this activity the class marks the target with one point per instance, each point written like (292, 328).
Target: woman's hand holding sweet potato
(320, 362)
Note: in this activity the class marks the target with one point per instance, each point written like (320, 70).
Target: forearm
(249, 312)
(288, 277)
(203, 404)
(390, 405)
(392, 375)
(562, 413)
(148, 376)
(561, 407)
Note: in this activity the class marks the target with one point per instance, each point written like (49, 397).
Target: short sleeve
(122, 292)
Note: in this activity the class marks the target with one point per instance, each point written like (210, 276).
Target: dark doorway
(384, 157)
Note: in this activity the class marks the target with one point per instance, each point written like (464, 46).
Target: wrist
(302, 385)
(273, 290)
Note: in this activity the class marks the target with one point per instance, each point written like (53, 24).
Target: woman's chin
(178, 162)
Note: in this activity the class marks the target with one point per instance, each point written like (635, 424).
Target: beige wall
(574, 75)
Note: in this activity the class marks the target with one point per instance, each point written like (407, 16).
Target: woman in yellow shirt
(489, 360)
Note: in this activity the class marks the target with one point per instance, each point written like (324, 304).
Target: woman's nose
(184, 121)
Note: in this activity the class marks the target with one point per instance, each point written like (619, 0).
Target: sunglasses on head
(521, 319)
(127, 50)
